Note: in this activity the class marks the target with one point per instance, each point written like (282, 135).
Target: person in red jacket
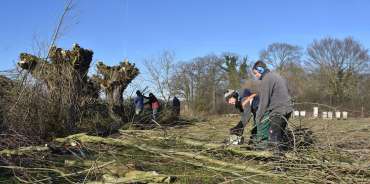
(154, 104)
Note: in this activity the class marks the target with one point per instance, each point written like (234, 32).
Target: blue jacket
(249, 110)
(245, 93)
(139, 102)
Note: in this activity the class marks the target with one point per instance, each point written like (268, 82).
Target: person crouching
(247, 103)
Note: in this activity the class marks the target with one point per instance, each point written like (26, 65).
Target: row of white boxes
(325, 115)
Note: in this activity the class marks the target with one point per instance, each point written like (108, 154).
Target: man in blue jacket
(139, 102)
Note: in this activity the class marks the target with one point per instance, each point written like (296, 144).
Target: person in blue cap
(247, 103)
(274, 100)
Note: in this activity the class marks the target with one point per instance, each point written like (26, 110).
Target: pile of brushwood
(55, 97)
(191, 153)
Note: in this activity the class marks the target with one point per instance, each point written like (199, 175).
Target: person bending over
(247, 103)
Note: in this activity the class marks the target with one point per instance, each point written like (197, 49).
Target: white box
(316, 112)
(330, 115)
(337, 114)
(324, 115)
(302, 114)
(296, 114)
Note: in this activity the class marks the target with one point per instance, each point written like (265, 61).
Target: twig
(56, 32)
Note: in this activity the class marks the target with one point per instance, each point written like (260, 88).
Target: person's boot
(250, 142)
(237, 129)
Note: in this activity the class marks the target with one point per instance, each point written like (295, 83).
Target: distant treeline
(329, 71)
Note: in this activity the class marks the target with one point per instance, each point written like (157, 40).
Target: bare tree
(280, 55)
(216, 78)
(199, 82)
(183, 82)
(160, 70)
(339, 63)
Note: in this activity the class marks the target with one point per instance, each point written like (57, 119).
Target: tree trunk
(72, 117)
(115, 103)
(214, 99)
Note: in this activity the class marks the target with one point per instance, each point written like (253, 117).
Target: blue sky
(139, 29)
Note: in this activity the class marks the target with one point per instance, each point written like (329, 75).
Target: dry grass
(193, 153)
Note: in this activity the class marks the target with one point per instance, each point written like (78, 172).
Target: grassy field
(192, 152)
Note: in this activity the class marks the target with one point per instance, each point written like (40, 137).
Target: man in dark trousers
(274, 100)
(247, 103)
(176, 106)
